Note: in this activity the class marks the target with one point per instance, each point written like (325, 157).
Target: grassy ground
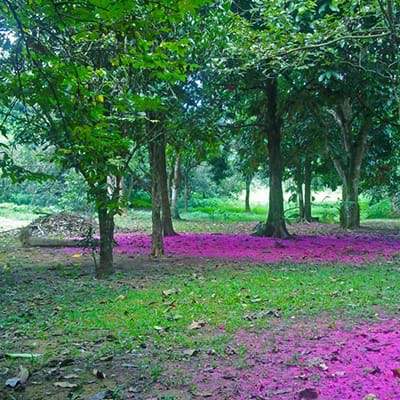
(151, 326)
(203, 214)
(156, 319)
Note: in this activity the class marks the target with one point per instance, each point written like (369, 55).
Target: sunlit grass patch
(227, 301)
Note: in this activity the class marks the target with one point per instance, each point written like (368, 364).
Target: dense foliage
(175, 101)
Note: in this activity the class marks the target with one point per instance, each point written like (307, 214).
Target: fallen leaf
(65, 385)
(120, 297)
(203, 394)
(323, 367)
(308, 394)
(170, 292)
(23, 374)
(196, 325)
(339, 374)
(230, 351)
(71, 376)
(396, 372)
(190, 352)
(370, 397)
(372, 370)
(18, 380)
(126, 365)
(281, 392)
(158, 328)
(106, 358)
(99, 374)
(78, 255)
(105, 394)
(255, 300)
(66, 361)
(12, 382)
(317, 362)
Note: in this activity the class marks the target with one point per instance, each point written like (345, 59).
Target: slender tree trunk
(127, 188)
(105, 267)
(161, 166)
(157, 244)
(300, 199)
(275, 225)
(307, 190)
(186, 192)
(175, 187)
(247, 198)
(299, 189)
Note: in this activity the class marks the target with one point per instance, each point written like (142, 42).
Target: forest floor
(322, 324)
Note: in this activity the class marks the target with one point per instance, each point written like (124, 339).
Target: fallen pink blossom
(354, 249)
(336, 364)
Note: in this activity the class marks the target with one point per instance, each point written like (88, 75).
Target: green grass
(211, 210)
(23, 212)
(87, 310)
(227, 210)
(225, 297)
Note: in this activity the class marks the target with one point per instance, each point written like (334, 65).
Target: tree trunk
(157, 244)
(247, 198)
(161, 166)
(299, 189)
(349, 166)
(300, 198)
(126, 190)
(275, 225)
(307, 190)
(350, 209)
(186, 192)
(175, 187)
(105, 267)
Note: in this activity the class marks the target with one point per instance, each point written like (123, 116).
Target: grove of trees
(125, 96)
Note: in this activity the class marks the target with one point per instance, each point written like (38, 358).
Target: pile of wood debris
(57, 230)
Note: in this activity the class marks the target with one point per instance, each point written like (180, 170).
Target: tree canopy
(134, 95)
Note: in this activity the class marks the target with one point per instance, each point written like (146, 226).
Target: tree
(80, 73)
(265, 70)
(303, 149)
(359, 97)
(280, 53)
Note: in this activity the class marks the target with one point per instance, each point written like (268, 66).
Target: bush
(382, 209)
(140, 200)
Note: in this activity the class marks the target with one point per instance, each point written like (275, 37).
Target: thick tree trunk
(247, 197)
(175, 188)
(105, 267)
(275, 225)
(350, 209)
(349, 165)
(157, 243)
(307, 190)
(161, 166)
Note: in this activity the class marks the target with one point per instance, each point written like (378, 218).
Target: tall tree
(80, 72)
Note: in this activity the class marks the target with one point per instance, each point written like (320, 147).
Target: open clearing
(209, 324)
